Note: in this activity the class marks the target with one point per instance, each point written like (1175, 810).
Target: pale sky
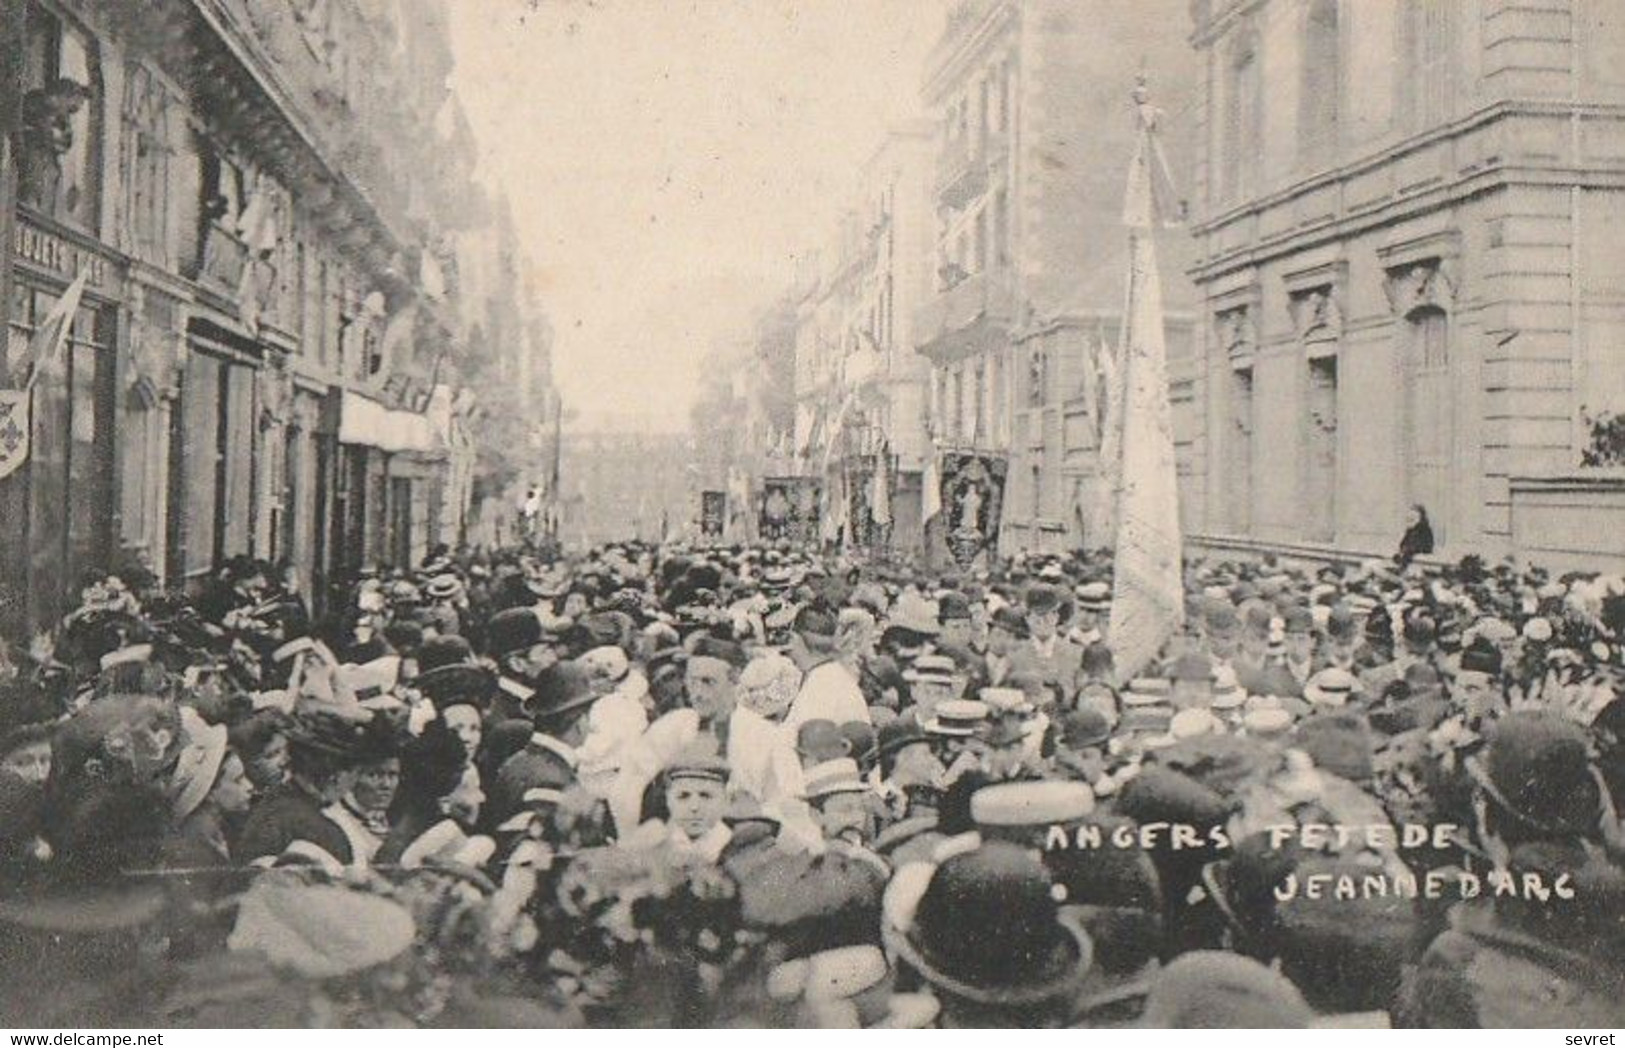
(667, 160)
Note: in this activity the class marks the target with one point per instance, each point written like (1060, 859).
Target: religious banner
(13, 430)
(972, 505)
(713, 513)
(787, 510)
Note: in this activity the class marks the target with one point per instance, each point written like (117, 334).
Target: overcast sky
(667, 160)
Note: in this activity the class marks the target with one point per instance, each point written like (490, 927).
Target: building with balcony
(1412, 286)
(859, 385)
(1034, 134)
(265, 360)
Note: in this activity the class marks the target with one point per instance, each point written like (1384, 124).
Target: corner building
(1412, 279)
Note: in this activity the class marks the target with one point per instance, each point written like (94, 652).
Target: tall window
(59, 144)
(1422, 86)
(979, 430)
(1242, 100)
(1320, 452)
(1429, 406)
(1241, 451)
(1318, 96)
(1001, 227)
(147, 150)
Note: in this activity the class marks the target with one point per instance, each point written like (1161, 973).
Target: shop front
(389, 462)
(57, 500)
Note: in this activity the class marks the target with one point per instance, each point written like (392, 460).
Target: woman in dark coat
(1418, 539)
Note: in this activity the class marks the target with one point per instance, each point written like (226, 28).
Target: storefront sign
(49, 251)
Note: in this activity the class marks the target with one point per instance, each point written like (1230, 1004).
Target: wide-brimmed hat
(202, 753)
(561, 688)
(984, 926)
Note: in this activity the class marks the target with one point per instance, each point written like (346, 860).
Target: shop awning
(367, 422)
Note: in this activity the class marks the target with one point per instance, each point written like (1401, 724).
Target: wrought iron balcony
(965, 166)
(976, 313)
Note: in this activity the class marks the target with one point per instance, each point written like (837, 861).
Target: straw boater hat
(1095, 597)
(960, 718)
(1038, 803)
(1227, 693)
(828, 778)
(931, 669)
(1331, 687)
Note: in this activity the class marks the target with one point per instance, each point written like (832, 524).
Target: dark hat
(1042, 599)
(516, 629)
(327, 734)
(728, 651)
(1420, 629)
(1220, 618)
(1536, 769)
(952, 607)
(1299, 619)
(812, 903)
(1159, 794)
(1011, 621)
(814, 621)
(560, 689)
(1215, 990)
(902, 732)
(446, 650)
(1345, 954)
(987, 929)
(1339, 743)
(1481, 656)
(1084, 727)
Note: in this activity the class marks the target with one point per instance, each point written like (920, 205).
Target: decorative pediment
(1421, 271)
(1237, 333)
(1419, 285)
(1316, 314)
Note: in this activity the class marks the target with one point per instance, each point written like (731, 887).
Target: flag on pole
(1147, 596)
(930, 487)
(880, 493)
(51, 337)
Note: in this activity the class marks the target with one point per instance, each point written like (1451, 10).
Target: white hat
(828, 778)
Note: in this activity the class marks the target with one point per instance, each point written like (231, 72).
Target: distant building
(859, 386)
(1410, 218)
(621, 486)
(1035, 131)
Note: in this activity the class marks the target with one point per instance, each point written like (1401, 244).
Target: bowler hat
(1537, 770)
(986, 928)
(513, 630)
(560, 689)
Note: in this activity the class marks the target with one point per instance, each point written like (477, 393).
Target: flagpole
(1147, 598)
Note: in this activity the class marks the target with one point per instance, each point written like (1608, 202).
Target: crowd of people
(753, 786)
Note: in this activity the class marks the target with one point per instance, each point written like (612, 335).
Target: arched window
(1319, 86)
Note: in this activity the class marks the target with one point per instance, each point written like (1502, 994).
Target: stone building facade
(1409, 239)
(1031, 99)
(859, 385)
(264, 361)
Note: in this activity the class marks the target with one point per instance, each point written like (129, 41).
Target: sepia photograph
(811, 514)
